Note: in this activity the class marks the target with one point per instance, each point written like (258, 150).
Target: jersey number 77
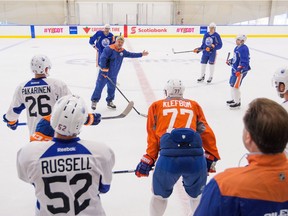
(174, 112)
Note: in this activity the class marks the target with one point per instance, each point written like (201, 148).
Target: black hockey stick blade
(123, 171)
(123, 114)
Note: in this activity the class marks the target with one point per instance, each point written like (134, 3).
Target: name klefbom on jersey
(175, 103)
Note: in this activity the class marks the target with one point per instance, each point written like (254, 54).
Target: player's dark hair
(267, 123)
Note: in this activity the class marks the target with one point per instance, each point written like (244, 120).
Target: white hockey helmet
(174, 88)
(241, 37)
(212, 25)
(69, 115)
(39, 63)
(107, 26)
(281, 77)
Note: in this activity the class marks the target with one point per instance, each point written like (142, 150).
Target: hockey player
(261, 188)
(176, 129)
(210, 44)
(45, 132)
(37, 95)
(280, 79)
(68, 173)
(100, 40)
(240, 67)
(110, 64)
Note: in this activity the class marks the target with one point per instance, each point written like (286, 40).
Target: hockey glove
(229, 62)
(239, 71)
(104, 72)
(210, 49)
(211, 162)
(200, 127)
(144, 167)
(197, 50)
(93, 119)
(11, 124)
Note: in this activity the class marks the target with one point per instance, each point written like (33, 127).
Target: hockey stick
(97, 53)
(121, 115)
(125, 171)
(141, 114)
(228, 56)
(227, 60)
(186, 51)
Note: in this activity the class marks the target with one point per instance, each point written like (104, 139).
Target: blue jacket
(111, 59)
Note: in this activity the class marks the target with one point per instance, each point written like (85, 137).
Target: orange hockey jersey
(167, 114)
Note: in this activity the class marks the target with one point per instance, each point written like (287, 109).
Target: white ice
(141, 80)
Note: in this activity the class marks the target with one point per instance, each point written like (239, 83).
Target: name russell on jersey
(36, 90)
(65, 165)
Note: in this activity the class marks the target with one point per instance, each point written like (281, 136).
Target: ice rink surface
(141, 80)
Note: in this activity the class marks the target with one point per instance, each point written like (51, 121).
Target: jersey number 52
(60, 195)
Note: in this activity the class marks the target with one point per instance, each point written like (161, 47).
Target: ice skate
(201, 79)
(235, 106)
(209, 80)
(111, 105)
(94, 105)
(229, 102)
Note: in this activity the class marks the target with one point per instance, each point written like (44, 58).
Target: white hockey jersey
(285, 105)
(68, 175)
(38, 96)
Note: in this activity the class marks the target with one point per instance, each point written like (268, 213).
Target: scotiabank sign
(162, 31)
(135, 30)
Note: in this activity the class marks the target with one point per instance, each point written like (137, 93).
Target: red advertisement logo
(53, 30)
(185, 30)
(133, 30)
(86, 29)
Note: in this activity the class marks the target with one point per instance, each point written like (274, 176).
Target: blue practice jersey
(101, 40)
(241, 57)
(210, 39)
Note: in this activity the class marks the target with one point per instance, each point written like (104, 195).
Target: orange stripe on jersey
(47, 118)
(167, 114)
(265, 178)
(38, 136)
(113, 46)
(238, 81)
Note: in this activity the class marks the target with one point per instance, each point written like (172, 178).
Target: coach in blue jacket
(110, 63)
